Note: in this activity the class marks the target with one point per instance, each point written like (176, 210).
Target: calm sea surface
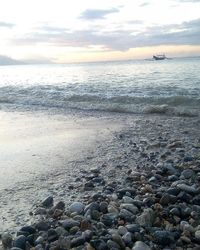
(169, 87)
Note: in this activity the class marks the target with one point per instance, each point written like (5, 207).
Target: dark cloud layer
(187, 33)
(92, 14)
(6, 25)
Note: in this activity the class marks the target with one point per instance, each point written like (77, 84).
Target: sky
(62, 31)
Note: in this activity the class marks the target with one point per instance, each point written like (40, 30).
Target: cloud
(52, 29)
(189, 1)
(135, 22)
(5, 60)
(144, 4)
(6, 25)
(187, 33)
(38, 61)
(92, 14)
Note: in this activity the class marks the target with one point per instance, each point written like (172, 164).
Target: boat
(159, 57)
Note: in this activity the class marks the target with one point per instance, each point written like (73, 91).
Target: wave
(55, 97)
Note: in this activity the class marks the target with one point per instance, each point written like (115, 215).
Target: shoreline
(126, 157)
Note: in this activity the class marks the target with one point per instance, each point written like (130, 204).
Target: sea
(167, 87)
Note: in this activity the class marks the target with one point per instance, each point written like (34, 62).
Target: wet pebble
(6, 239)
(139, 245)
(77, 207)
(20, 242)
(48, 202)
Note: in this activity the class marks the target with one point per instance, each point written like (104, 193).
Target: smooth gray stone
(103, 207)
(113, 245)
(60, 205)
(127, 238)
(197, 234)
(52, 235)
(39, 240)
(42, 226)
(130, 207)
(48, 202)
(187, 173)
(127, 199)
(122, 230)
(147, 218)
(98, 244)
(77, 207)
(69, 223)
(29, 229)
(187, 189)
(164, 237)
(108, 219)
(64, 242)
(6, 240)
(118, 239)
(132, 228)
(77, 241)
(139, 245)
(20, 242)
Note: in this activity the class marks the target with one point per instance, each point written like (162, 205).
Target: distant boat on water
(159, 57)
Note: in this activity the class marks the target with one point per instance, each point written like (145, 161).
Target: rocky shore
(146, 196)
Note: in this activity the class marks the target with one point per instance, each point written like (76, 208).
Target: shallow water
(166, 87)
(35, 144)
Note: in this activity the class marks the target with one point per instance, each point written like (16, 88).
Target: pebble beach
(138, 188)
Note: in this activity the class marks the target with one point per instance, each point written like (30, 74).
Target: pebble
(127, 238)
(187, 173)
(48, 202)
(64, 242)
(118, 239)
(77, 207)
(42, 226)
(103, 206)
(133, 228)
(126, 215)
(122, 230)
(52, 235)
(6, 240)
(197, 234)
(128, 200)
(41, 211)
(188, 189)
(69, 223)
(112, 245)
(130, 207)
(146, 219)
(98, 244)
(39, 240)
(29, 229)
(20, 242)
(77, 241)
(139, 245)
(60, 205)
(163, 238)
(109, 219)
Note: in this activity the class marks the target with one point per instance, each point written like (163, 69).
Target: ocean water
(170, 87)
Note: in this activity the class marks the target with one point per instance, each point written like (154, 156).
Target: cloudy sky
(92, 30)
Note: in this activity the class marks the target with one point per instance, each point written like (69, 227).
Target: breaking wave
(57, 97)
